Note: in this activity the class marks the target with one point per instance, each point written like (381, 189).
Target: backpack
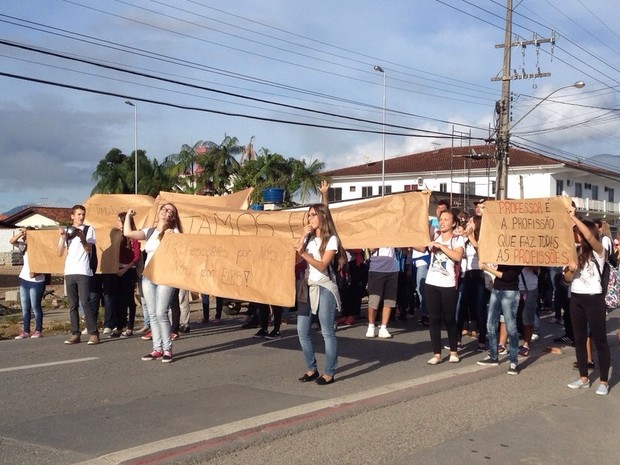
(93, 259)
(610, 284)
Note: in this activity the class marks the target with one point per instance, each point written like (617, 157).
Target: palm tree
(184, 167)
(307, 178)
(219, 165)
(114, 175)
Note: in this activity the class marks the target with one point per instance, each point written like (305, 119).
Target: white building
(465, 174)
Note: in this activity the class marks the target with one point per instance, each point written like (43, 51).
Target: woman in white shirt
(157, 296)
(441, 285)
(587, 302)
(31, 288)
(318, 245)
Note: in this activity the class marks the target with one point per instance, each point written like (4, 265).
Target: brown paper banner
(530, 232)
(236, 201)
(42, 256)
(255, 269)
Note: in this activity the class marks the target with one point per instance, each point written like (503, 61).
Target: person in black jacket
(504, 301)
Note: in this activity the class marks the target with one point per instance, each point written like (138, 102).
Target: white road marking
(49, 364)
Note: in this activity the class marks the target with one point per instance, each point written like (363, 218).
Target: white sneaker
(579, 384)
(535, 337)
(454, 359)
(602, 389)
(370, 332)
(434, 360)
(85, 331)
(107, 330)
(384, 333)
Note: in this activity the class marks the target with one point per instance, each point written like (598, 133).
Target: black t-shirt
(510, 278)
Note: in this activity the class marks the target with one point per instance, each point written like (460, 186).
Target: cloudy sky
(298, 76)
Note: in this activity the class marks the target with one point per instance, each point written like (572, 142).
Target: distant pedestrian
(31, 289)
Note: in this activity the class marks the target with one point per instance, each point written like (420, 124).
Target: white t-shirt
(25, 272)
(313, 249)
(78, 260)
(441, 269)
(152, 243)
(472, 256)
(588, 279)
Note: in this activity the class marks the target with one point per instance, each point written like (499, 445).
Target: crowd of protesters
(442, 280)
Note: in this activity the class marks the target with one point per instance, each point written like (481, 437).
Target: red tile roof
(57, 214)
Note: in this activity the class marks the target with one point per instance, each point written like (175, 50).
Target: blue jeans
(30, 295)
(506, 303)
(158, 298)
(420, 282)
(327, 315)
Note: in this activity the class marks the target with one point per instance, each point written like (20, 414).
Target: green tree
(183, 167)
(219, 165)
(112, 174)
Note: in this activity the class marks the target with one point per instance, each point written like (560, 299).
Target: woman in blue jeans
(157, 296)
(31, 288)
(318, 246)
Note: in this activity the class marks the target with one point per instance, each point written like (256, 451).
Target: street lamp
(504, 138)
(578, 85)
(135, 142)
(382, 71)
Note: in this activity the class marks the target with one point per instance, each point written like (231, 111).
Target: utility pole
(502, 107)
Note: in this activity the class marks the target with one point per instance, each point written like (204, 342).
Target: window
(493, 187)
(366, 191)
(559, 186)
(578, 189)
(443, 187)
(388, 190)
(471, 188)
(352, 188)
(594, 192)
(334, 194)
(610, 195)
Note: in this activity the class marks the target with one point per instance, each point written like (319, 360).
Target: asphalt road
(229, 398)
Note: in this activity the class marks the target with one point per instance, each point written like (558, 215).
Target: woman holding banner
(587, 302)
(441, 285)
(157, 296)
(318, 246)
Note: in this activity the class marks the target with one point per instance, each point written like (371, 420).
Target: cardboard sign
(529, 232)
(255, 269)
(42, 256)
(235, 201)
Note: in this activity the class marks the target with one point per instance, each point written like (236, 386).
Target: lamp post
(504, 138)
(135, 142)
(382, 71)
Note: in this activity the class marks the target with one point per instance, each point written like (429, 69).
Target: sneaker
(488, 362)
(370, 332)
(513, 369)
(73, 339)
(216, 321)
(459, 346)
(115, 334)
(273, 335)
(36, 334)
(556, 321)
(481, 348)
(85, 332)
(524, 351)
(93, 340)
(454, 359)
(261, 333)
(602, 389)
(579, 384)
(384, 333)
(535, 337)
(424, 321)
(184, 329)
(143, 330)
(107, 330)
(434, 361)
(147, 336)
(501, 350)
(126, 333)
(153, 356)
(167, 358)
(23, 335)
(564, 340)
(249, 325)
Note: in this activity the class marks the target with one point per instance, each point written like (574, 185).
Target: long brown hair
(584, 252)
(328, 229)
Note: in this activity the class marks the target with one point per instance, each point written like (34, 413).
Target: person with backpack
(157, 296)
(318, 245)
(587, 302)
(78, 240)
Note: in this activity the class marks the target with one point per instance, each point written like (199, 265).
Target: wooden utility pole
(502, 106)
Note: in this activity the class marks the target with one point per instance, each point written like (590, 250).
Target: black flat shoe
(323, 382)
(306, 377)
